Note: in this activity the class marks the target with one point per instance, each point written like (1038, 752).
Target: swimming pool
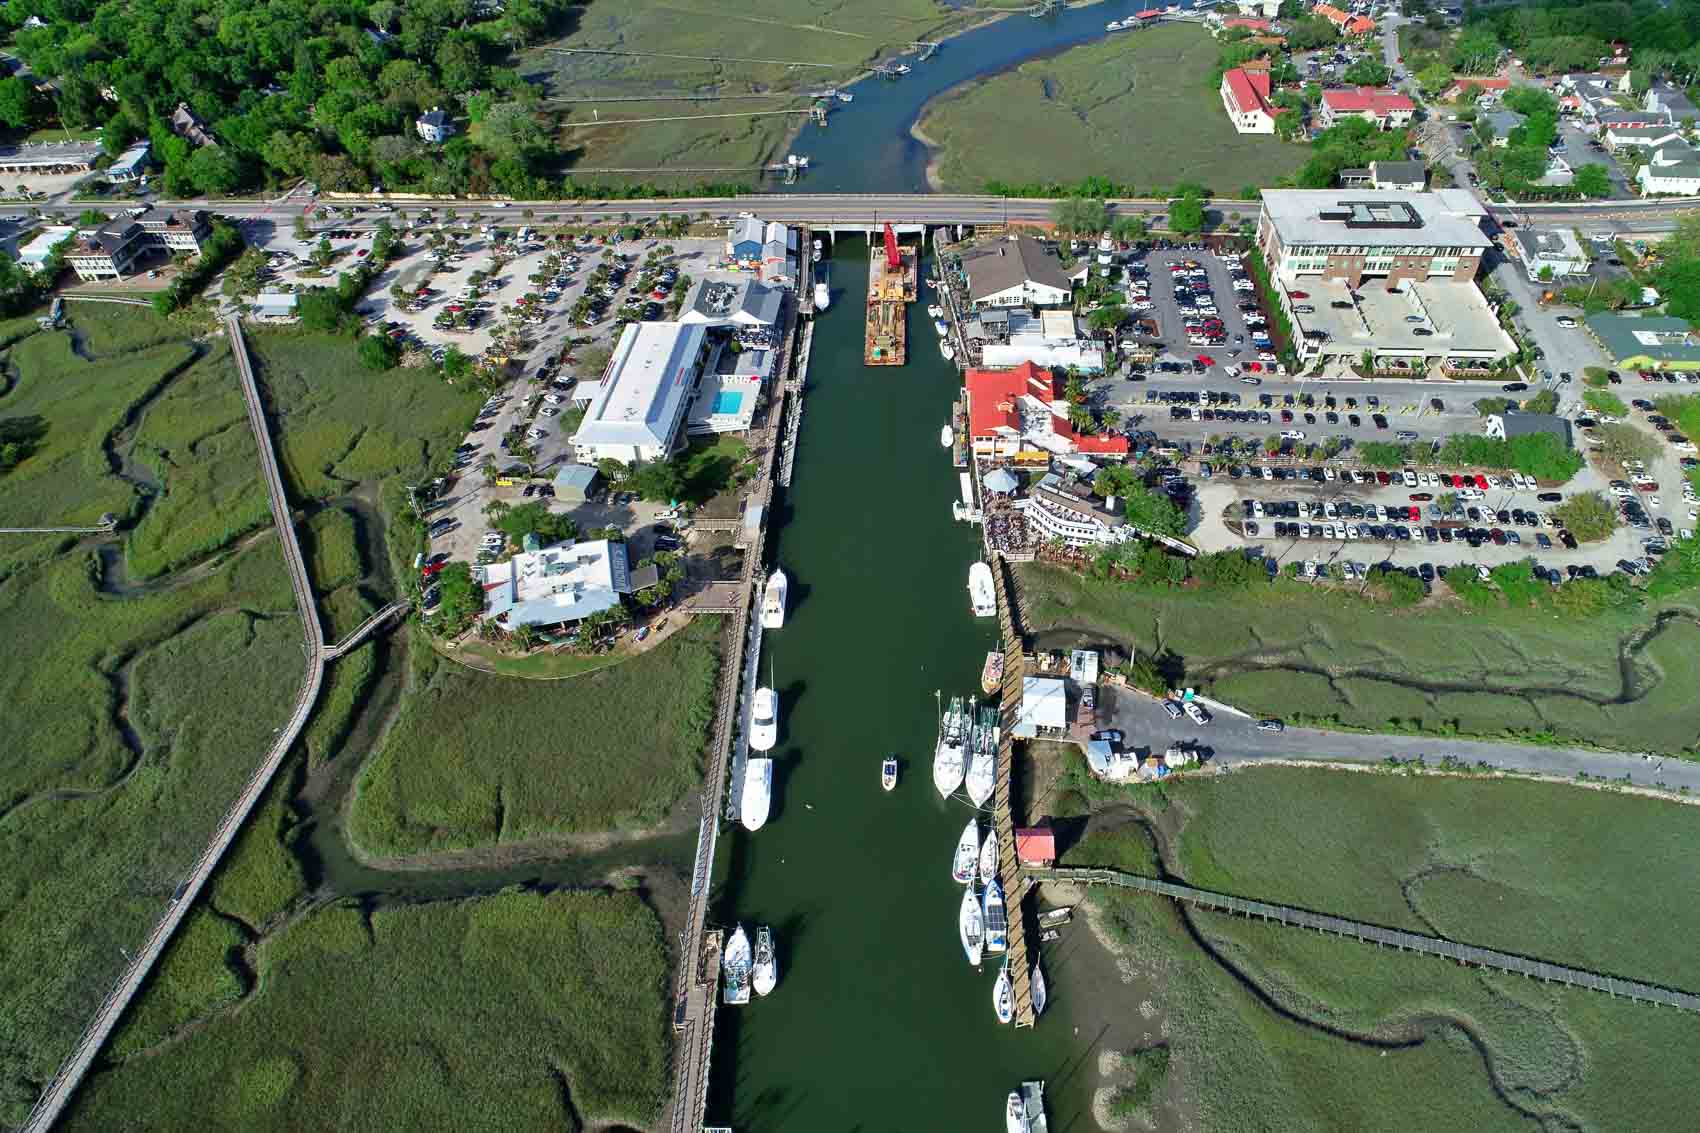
(728, 402)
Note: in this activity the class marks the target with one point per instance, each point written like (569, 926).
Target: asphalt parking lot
(1158, 265)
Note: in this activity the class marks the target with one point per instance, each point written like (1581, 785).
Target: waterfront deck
(1009, 868)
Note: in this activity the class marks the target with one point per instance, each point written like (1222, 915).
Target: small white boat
(950, 758)
(758, 793)
(888, 774)
(823, 296)
(967, 850)
(989, 857)
(981, 593)
(997, 922)
(1038, 990)
(817, 251)
(1015, 1115)
(846, 96)
(1003, 995)
(947, 437)
(773, 600)
(942, 327)
(971, 926)
(948, 351)
(935, 312)
(1113, 25)
(901, 68)
(764, 719)
(735, 967)
(765, 975)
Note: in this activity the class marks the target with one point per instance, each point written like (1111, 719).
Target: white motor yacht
(764, 719)
(758, 793)
(765, 975)
(735, 967)
(888, 774)
(981, 593)
(773, 600)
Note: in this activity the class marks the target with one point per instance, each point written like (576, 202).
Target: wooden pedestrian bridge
(1465, 954)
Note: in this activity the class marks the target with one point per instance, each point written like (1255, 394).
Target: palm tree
(524, 637)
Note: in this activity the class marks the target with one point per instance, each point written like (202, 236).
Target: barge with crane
(893, 279)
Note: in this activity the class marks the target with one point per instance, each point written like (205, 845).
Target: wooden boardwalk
(1466, 954)
(1009, 869)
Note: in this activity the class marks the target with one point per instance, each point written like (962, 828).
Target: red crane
(892, 263)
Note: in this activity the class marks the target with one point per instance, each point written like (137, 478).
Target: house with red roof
(1245, 96)
(1388, 109)
(1025, 408)
(1476, 84)
(1345, 22)
(1250, 23)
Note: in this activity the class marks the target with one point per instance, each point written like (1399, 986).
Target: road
(53, 1100)
(1236, 742)
(862, 210)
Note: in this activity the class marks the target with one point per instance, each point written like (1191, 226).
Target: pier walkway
(695, 995)
(1465, 954)
(1009, 868)
(365, 629)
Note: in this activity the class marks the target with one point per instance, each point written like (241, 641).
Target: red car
(1299, 294)
(1481, 481)
(430, 569)
(1457, 480)
(1254, 367)
(1646, 487)
(1382, 478)
(1205, 360)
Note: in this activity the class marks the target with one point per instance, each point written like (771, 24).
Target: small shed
(1036, 846)
(275, 304)
(574, 482)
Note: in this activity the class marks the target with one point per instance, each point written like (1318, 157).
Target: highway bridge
(58, 1092)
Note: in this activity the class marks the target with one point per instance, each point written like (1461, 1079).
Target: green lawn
(1303, 653)
(1575, 876)
(1139, 109)
(841, 33)
(513, 1012)
(477, 760)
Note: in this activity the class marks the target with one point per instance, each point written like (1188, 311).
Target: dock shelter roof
(1044, 704)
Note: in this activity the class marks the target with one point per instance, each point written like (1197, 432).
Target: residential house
(1497, 125)
(640, 404)
(1346, 23)
(1255, 25)
(1592, 94)
(1477, 84)
(1672, 169)
(779, 255)
(1652, 342)
(1615, 118)
(1387, 109)
(1018, 272)
(1643, 137)
(188, 126)
(1024, 409)
(1671, 101)
(434, 126)
(1548, 253)
(1405, 176)
(1245, 96)
(109, 252)
(1268, 9)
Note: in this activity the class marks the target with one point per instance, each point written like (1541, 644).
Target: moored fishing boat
(967, 850)
(989, 857)
(888, 773)
(764, 976)
(982, 594)
(971, 926)
(1003, 995)
(764, 719)
(982, 771)
(991, 674)
(773, 600)
(951, 756)
(758, 793)
(997, 920)
(735, 967)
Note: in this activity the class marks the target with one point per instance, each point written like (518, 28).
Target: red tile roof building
(1245, 96)
(1009, 410)
(1248, 22)
(1481, 83)
(1347, 23)
(1385, 108)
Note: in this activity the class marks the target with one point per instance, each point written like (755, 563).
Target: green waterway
(878, 1022)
